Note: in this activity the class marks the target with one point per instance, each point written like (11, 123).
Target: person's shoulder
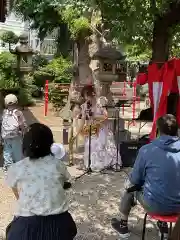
(21, 163)
(145, 148)
(18, 168)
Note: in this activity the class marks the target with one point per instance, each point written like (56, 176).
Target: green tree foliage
(8, 78)
(40, 14)
(58, 71)
(9, 81)
(9, 37)
(60, 68)
(39, 61)
(43, 15)
(147, 24)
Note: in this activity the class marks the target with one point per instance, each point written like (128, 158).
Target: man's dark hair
(167, 125)
(37, 141)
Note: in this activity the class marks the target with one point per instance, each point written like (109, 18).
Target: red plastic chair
(168, 219)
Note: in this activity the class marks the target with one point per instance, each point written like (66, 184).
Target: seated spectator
(38, 183)
(155, 177)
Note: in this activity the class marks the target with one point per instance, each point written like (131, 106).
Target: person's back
(161, 160)
(39, 182)
(40, 186)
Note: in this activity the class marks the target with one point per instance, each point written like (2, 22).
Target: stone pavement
(94, 198)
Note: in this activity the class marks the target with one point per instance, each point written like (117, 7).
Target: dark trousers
(52, 227)
(127, 202)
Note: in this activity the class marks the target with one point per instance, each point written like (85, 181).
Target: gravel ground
(94, 200)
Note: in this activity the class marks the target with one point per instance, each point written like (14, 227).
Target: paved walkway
(93, 199)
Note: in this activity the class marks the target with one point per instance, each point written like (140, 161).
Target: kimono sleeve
(12, 176)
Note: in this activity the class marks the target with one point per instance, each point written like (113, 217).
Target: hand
(67, 185)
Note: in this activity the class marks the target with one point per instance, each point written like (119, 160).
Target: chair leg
(144, 227)
(162, 236)
(170, 230)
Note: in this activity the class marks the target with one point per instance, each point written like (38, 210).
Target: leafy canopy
(9, 37)
(8, 78)
(131, 21)
(47, 15)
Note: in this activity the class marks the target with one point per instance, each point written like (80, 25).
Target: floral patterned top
(40, 186)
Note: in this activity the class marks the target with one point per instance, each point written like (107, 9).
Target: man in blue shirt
(157, 173)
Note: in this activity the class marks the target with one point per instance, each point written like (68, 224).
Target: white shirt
(40, 186)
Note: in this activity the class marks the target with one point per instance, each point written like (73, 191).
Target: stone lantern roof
(109, 52)
(23, 48)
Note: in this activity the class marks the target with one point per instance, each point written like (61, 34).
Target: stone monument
(24, 55)
(107, 73)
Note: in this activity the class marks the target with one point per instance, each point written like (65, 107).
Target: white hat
(10, 99)
(58, 150)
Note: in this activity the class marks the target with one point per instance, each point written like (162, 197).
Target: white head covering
(58, 150)
(10, 99)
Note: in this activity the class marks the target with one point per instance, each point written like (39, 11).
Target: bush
(33, 88)
(9, 37)
(58, 71)
(41, 76)
(9, 82)
(39, 61)
(25, 97)
(55, 96)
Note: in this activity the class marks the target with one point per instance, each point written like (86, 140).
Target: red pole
(134, 102)
(46, 98)
(124, 94)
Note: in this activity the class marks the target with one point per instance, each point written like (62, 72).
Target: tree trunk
(63, 41)
(161, 41)
(85, 72)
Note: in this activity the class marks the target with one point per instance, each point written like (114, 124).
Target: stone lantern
(107, 73)
(24, 55)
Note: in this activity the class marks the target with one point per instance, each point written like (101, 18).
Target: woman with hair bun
(38, 183)
(103, 148)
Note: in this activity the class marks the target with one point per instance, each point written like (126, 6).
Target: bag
(10, 126)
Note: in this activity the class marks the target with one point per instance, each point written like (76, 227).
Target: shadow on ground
(94, 200)
(29, 116)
